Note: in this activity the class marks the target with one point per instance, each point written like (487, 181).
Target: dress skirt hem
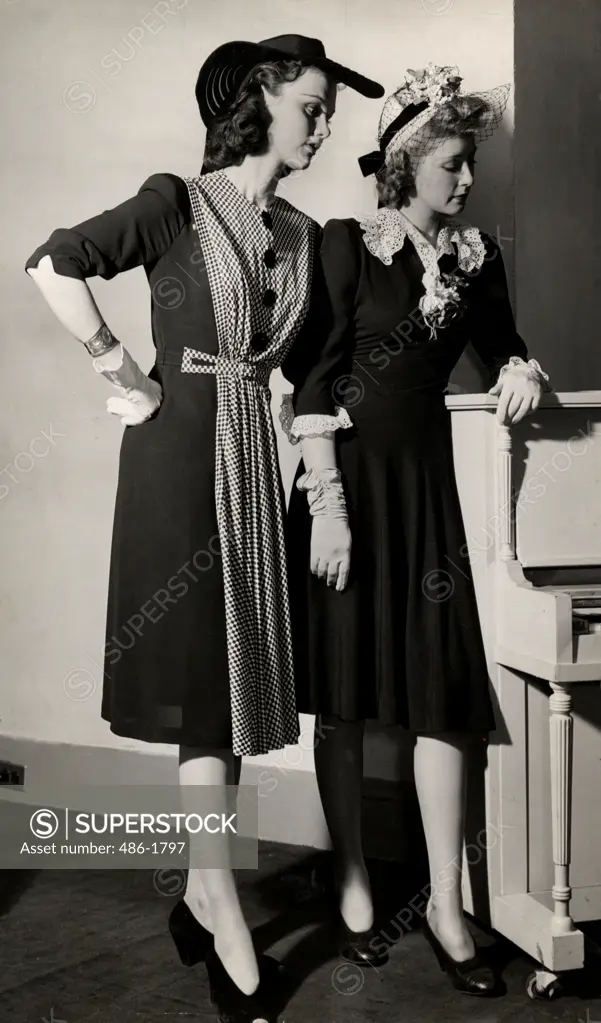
(153, 737)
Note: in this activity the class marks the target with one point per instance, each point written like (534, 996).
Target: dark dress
(402, 644)
(167, 658)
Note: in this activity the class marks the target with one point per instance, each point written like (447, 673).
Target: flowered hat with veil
(408, 118)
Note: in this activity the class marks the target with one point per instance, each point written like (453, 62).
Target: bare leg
(440, 765)
(339, 770)
(211, 892)
(195, 896)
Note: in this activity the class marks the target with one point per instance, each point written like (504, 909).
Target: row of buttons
(260, 340)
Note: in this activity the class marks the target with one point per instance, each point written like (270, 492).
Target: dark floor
(93, 947)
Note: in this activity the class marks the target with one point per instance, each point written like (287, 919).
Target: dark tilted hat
(224, 71)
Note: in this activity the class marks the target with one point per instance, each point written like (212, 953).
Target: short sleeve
(322, 352)
(492, 329)
(136, 232)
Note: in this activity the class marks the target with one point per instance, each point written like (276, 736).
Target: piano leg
(543, 983)
(560, 727)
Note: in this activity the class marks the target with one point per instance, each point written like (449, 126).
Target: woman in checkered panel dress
(198, 648)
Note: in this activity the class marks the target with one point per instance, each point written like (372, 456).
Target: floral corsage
(442, 301)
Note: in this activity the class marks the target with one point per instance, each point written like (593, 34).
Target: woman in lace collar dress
(198, 649)
(389, 630)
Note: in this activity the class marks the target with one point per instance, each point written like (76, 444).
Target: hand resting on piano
(520, 388)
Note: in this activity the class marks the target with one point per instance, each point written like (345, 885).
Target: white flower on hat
(430, 90)
(433, 84)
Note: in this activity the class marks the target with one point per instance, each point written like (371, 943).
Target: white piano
(531, 502)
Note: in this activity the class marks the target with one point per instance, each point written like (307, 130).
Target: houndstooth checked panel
(235, 237)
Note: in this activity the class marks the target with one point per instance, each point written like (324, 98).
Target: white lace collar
(385, 231)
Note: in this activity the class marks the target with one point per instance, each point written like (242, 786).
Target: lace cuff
(314, 425)
(532, 367)
(324, 492)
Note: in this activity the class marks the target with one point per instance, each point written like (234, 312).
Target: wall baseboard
(289, 805)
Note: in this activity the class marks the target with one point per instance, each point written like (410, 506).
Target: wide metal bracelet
(102, 342)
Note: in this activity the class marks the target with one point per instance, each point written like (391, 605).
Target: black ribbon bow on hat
(372, 162)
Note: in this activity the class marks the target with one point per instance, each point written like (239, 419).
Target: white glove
(330, 533)
(139, 396)
(520, 387)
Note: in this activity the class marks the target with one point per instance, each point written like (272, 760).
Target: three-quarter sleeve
(134, 233)
(492, 328)
(321, 355)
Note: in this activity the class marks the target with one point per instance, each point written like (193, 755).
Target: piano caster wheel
(542, 984)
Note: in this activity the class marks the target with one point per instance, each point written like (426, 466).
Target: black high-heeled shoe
(472, 976)
(192, 940)
(364, 948)
(231, 1003)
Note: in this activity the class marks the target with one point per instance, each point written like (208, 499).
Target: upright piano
(531, 503)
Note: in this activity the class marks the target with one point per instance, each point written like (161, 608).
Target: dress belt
(191, 360)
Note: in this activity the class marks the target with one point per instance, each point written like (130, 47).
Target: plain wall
(79, 138)
(558, 185)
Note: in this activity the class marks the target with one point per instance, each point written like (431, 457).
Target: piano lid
(556, 471)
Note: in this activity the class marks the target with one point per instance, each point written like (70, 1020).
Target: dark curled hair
(462, 117)
(243, 130)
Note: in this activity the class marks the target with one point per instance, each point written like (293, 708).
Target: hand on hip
(135, 407)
